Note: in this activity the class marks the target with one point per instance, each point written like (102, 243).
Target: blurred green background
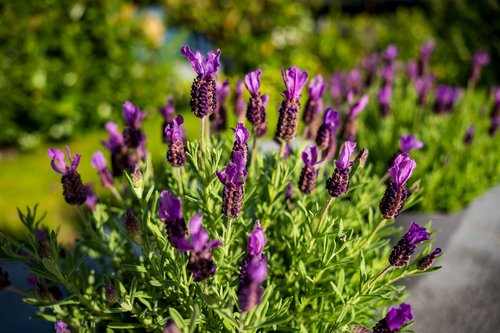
(67, 66)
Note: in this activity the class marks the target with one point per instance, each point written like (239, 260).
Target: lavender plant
(255, 257)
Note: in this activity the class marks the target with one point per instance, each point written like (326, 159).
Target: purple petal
(241, 134)
(397, 317)
(409, 142)
(265, 100)
(115, 140)
(345, 155)
(170, 207)
(331, 118)
(385, 94)
(316, 88)
(416, 234)
(390, 53)
(98, 161)
(256, 240)
(133, 115)
(481, 58)
(358, 106)
(204, 68)
(173, 131)
(222, 175)
(257, 269)
(427, 49)
(223, 91)
(199, 236)
(58, 162)
(402, 169)
(252, 82)
(295, 80)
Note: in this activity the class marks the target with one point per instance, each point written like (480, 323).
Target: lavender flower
(325, 138)
(314, 104)
(423, 86)
(171, 327)
(349, 132)
(241, 136)
(168, 114)
(446, 97)
(394, 320)
(396, 193)
(116, 145)
(45, 290)
(257, 104)
(426, 262)
(337, 90)
(239, 103)
(412, 70)
(253, 271)
(409, 143)
(61, 327)
(404, 249)
(73, 189)
(469, 136)
(133, 227)
(170, 213)
(426, 51)
(90, 197)
(308, 175)
(201, 263)
(384, 99)
(4, 279)
(288, 120)
(289, 193)
(176, 154)
(479, 60)
(338, 183)
(388, 75)
(111, 293)
(233, 179)
(219, 117)
(132, 134)
(353, 83)
(99, 163)
(370, 65)
(390, 54)
(495, 123)
(203, 91)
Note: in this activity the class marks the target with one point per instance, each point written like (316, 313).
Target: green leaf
(177, 318)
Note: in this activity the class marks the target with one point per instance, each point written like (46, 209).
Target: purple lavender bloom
(409, 143)
(397, 317)
(423, 85)
(256, 108)
(115, 141)
(495, 124)
(91, 197)
(446, 97)
(239, 103)
(388, 75)
(111, 293)
(427, 49)
(402, 169)
(350, 126)
(241, 136)
(233, 179)
(314, 104)
(337, 87)
(325, 138)
(469, 136)
(384, 99)
(358, 106)
(61, 327)
(295, 80)
(170, 213)
(412, 70)
(4, 279)
(426, 262)
(133, 115)
(73, 189)
(316, 88)
(256, 240)
(171, 327)
(201, 263)
(205, 68)
(176, 154)
(370, 64)
(479, 60)
(345, 155)
(99, 163)
(289, 192)
(308, 175)
(353, 81)
(390, 54)
(168, 111)
(405, 248)
(219, 117)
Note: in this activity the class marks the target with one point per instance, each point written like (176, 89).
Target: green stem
(323, 215)
(384, 178)
(202, 137)
(374, 231)
(283, 149)
(180, 183)
(254, 152)
(116, 194)
(378, 277)
(17, 291)
(242, 322)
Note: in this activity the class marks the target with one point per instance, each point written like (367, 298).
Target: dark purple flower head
(171, 327)
(223, 91)
(91, 197)
(359, 106)
(310, 156)
(424, 84)
(241, 134)
(345, 155)
(256, 240)
(390, 53)
(412, 70)
(496, 94)
(416, 234)
(115, 140)
(58, 162)
(61, 327)
(205, 68)
(257, 269)
(168, 111)
(295, 80)
(481, 58)
(98, 161)
(235, 173)
(316, 87)
(173, 131)
(385, 94)
(252, 82)
(426, 49)
(133, 115)
(469, 135)
(397, 317)
(170, 207)
(402, 169)
(199, 236)
(409, 142)
(331, 118)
